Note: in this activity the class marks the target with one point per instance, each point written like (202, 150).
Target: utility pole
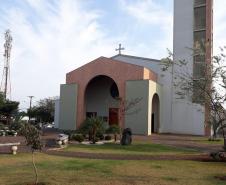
(30, 105)
(6, 70)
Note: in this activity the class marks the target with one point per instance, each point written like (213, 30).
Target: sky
(53, 37)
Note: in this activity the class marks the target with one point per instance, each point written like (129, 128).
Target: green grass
(206, 141)
(136, 148)
(67, 171)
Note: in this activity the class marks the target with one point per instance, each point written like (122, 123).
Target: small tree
(114, 129)
(125, 108)
(32, 137)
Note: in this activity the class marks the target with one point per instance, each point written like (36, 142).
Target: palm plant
(91, 126)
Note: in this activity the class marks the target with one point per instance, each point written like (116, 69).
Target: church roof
(136, 57)
(151, 64)
(106, 66)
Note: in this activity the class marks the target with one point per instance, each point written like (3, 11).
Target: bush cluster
(7, 132)
(107, 137)
(77, 137)
(100, 136)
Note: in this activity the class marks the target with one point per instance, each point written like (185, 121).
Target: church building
(101, 86)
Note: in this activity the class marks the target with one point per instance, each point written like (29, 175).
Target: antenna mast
(6, 70)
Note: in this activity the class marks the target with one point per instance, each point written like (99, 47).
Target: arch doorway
(155, 114)
(101, 99)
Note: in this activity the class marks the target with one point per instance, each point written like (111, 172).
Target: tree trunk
(224, 139)
(214, 135)
(35, 169)
(94, 135)
(7, 120)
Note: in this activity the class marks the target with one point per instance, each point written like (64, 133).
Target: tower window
(200, 18)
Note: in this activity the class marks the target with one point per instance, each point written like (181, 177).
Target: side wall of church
(164, 80)
(68, 106)
(137, 118)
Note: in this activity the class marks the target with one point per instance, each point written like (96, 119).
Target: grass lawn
(204, 140)
(67, 171)
(136, 148)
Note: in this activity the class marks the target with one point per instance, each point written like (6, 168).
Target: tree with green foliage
(43, 111)
(8, 109)
(115, 130)
(32, 137)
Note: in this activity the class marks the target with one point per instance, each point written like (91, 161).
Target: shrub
(1, 133)
(96, 139)
(70, 133)
(78, 137)
(16, 126)
(92, 126)
(100, 136)
(2, 126)
(113, 129)
(11, 132)
(107, 138)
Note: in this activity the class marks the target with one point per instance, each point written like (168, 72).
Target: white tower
(192, 24)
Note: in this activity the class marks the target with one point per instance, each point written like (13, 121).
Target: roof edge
(136, 57)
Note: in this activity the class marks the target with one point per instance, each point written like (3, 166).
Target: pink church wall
(120, 72)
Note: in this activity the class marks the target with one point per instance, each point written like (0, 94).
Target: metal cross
(119, 49)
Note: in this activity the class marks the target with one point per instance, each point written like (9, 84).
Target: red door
(113, 116)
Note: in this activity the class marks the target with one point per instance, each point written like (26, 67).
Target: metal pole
(30, 105)
(6, 80)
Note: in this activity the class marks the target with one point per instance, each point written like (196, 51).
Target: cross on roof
(119, 49)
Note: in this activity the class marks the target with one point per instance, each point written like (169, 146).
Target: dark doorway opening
(155, 116)
(152, 122)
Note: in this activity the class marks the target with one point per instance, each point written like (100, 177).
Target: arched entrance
(101, 99)
(155, 114)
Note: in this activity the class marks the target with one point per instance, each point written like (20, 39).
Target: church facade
(99, 87)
